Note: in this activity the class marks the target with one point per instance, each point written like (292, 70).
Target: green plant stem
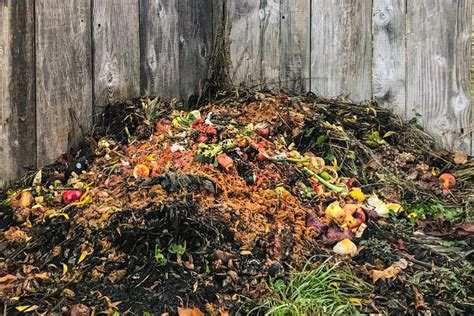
(320, 179)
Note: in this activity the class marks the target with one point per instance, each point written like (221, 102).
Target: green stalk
(326, 183)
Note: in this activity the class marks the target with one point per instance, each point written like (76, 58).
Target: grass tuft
(324, 290)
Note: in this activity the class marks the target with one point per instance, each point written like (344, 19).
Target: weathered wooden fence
(61, 61)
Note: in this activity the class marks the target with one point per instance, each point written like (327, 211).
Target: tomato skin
(261, 157)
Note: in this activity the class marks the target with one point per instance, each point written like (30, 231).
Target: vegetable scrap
(196, 210)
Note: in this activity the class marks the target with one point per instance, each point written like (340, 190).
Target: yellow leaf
(195, 287)
(60, 214)
(82, 257)
(355, 301)
(434, 171)
(151, 157)
(103, 217)
(43, 275)
(27, 308)
(64, 268)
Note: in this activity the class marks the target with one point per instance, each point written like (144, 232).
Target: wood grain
(63, 76)
(17, 90)
(341, 50)
(159, 48)
(295, 45)
(245, 48)
(195, 44)
(438, 57)
(270, 42)
(116, 48)
(389, 77)
(471, 130)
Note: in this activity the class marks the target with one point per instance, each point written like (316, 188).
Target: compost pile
(170, 211)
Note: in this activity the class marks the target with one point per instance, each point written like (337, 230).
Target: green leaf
(159, 256)
(330, 157)
(321, 139)
(176, 249)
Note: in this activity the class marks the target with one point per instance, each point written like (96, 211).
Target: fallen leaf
(15, 235)
(69, 292)
(7, 279)
(27, 308)
(388, 134)
(420, 302)
(82, 257)
(223, 312)
(192, 311)
(355, 301)
(389, 272)
(64, 268)
(460, 158)
(38, 177)
(42, 276)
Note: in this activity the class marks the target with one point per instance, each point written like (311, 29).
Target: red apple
(264, 132)
(71, 196)
(447, 180)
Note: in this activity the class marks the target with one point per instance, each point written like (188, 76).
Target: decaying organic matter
(166, 210)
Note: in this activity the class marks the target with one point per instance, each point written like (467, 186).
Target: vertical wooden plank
(195, 38)
(472, 80)
(438, 57)
(116, 51)
(17, 89)
(63, 75)
(389, 54)
(341, 50)
(159, 47)
(245, 48)
(295, 45)
(270, 42)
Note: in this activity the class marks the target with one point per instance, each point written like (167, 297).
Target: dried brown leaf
(191, 311)
(459, 158)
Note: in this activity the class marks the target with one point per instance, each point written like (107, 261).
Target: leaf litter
(165, 210)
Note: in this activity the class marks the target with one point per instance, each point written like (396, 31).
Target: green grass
(432, 210)
(324, 290)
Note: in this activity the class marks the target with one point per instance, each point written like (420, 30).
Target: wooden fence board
(116, 51)
(195, 44)
(17, 89)
(270, 42)
(295, 45)
(389, 54)
(438, 69)
(159, 47)
(63, 75)
(245, 48)
(341, 49)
